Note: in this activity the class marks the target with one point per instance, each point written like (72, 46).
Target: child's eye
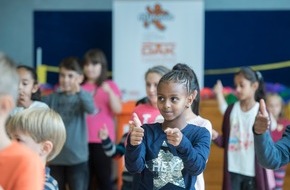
(18, 139)
(174, 99)
(160, 99)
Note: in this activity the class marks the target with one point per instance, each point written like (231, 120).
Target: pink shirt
(148, 113)
(105, 114)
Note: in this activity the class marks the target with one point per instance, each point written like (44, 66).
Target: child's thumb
(263, 109)
(136, 120)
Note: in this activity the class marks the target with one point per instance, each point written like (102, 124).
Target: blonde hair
(41, 124)
(274, 95)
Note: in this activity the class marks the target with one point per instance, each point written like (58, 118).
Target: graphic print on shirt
(147, 118)
(166, 168)
(241, 135)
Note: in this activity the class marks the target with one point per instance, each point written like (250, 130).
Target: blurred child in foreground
(20, 167)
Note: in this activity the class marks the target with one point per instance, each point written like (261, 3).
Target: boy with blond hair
(43, 131)
(20, 167)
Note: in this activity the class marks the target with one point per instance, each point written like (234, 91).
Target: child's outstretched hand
(174, 136)
(76, 84)
(103, 132)
(136, 131)
(214, 134)
(218, 87)
(106, 87)
(262, 121)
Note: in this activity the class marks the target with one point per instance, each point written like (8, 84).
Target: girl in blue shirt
(171, 154)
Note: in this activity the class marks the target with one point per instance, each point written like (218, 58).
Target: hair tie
(259, 75)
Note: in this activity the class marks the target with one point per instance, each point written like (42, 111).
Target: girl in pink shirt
(146, 109)
(107, 97)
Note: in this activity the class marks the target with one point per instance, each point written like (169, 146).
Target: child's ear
(190, 99)
(46, 148)
(35, 88)
(194, 94)
(255, 85)
(6, 104)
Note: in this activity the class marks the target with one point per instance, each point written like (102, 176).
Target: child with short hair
(43, 131)
(171, 154)
(72, 103)
(29, 94)
(20, 167)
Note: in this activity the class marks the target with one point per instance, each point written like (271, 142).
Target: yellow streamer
(43, 69)
(263, 67)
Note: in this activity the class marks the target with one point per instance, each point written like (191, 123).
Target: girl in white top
(28, 90)
(192, 114)
(241, 171)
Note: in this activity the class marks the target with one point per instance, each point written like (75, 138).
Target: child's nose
(167, 104)
(20, 86)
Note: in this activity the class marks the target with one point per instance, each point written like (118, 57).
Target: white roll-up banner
(149, 33)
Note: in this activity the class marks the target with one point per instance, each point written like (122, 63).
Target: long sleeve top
(114, 150)
(105, 115)
(117, 151)
(163, 166)
(73, 109)
(272, 155)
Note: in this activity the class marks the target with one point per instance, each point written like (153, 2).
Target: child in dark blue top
(171, 154)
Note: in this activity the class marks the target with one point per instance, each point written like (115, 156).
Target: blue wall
(232, 39)
(71, 33)
(238, 38)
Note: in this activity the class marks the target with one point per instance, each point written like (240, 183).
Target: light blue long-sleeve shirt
(72, 109)
(272, 155)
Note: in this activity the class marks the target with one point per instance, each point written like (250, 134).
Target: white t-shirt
(241, 152)
(201, 122)
(35, 104)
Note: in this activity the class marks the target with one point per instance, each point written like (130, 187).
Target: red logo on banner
(155, 16)
(150, 48)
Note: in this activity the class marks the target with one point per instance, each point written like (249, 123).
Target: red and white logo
(156, 16)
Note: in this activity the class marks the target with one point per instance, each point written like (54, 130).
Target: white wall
(16, 33)
(247, 5)
(16, 18)
(72, 4)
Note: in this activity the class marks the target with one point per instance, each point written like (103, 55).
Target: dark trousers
(242, 182)
(75, 176)
(100, 166)
(126, 185)
(136, 181)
